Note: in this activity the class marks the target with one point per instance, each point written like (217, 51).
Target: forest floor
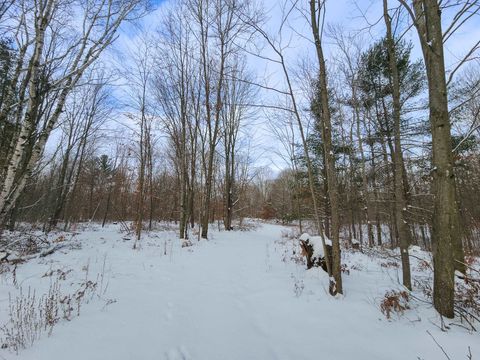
(240, 295)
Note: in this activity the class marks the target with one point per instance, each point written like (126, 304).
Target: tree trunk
(329, 155)
(14, 181)
(399, 194)
(366, 194)
(107, 206)
(447, 245)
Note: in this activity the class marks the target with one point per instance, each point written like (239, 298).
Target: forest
(329, 146)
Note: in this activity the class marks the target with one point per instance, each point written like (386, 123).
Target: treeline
(105, 192)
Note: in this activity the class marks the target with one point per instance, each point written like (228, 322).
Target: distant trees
(219, 29)
(238, 95)
(85, 112)
(376, 94)
(139, 75)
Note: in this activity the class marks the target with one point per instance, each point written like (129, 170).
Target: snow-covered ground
(239, 295)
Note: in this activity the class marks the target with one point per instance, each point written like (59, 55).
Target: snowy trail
(231, 298)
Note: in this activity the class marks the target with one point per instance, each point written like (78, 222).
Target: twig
(441, 348)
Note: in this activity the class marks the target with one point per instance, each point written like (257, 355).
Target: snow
(304, 237)
(415, 249)
(317, 244)
(328, 241)
(236, 296)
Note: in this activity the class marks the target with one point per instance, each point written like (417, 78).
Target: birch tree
(57, 41)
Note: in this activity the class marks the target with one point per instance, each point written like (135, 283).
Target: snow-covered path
(231, 298)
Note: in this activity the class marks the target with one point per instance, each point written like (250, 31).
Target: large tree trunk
(447, 243)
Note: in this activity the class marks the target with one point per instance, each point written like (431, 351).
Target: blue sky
(353, 15)
(362, 17)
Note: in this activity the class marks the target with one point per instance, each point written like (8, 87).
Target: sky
(362, 18)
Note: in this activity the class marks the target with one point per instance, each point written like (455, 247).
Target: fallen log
(20, 259)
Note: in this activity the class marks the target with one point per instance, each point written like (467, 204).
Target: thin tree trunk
(399, 194)
(366, 194)
(329, 155)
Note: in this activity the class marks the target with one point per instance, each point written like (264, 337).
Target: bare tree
(139, 76)
(238, 95)
(217, 29)
(85, 111)
(177, 91)
(54, 54)
(317, 12)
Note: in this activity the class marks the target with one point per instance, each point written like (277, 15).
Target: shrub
(394, 302)
(31, 316)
